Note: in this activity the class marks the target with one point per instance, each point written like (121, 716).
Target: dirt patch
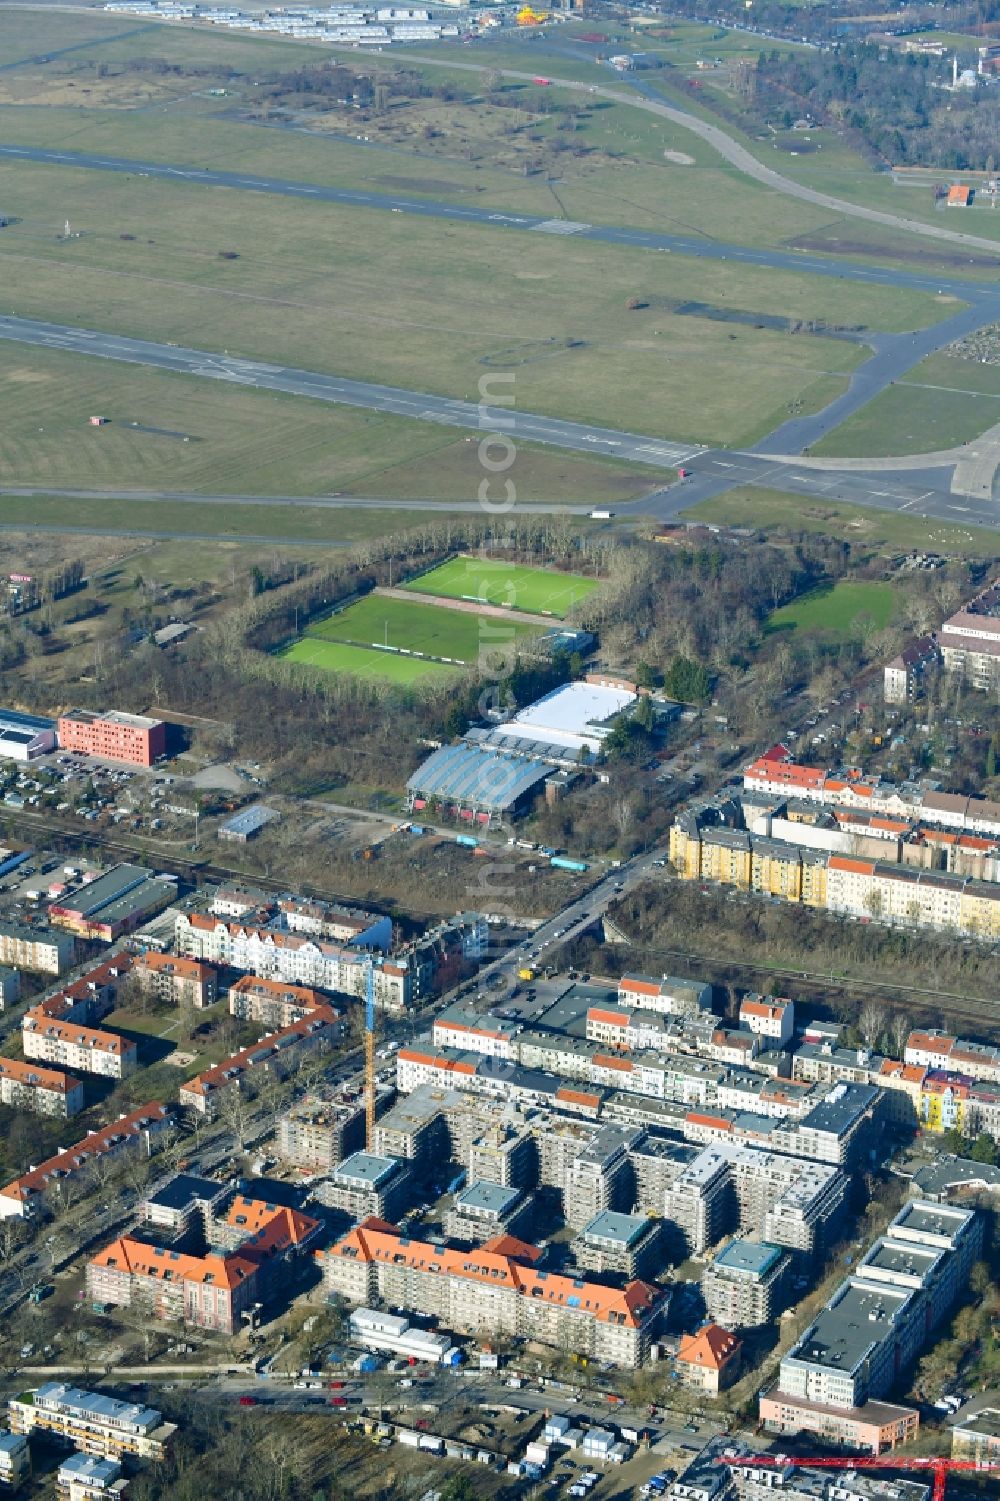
(835, 246)
(425, 184)
(679, 158)
(28, 377)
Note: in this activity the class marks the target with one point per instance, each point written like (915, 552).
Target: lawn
(837, 610)
(230, 449)
(431, 629)
(879, 531)
(941, 403)
(537, 590)
(358, 661)
(620, 175)
(291, 526)
(380, 297)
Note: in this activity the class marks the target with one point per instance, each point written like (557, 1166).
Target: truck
(562, 863)
(601, 515)
(467, 841)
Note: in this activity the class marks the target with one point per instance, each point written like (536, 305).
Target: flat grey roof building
(366, 1170)
(485, 1197)
(841, 1108)
(621, 1229)
(247, 822)
(846, 1330)
(753, 1258)
(952, 1174)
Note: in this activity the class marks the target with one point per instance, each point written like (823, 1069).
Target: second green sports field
(536, 590)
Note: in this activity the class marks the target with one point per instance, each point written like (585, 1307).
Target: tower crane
(369, 1051)
(937, 1467)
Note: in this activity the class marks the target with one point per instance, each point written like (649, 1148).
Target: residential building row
(300, 958)
(701, 1193)
(274, 1054)
(777, 775)
(61, 1030)
(91, 1421)
(834, 1380)
(711, 1097)
(848, 885)
(134, 1132)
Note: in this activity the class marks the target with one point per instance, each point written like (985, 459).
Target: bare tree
(872, 1020)
(623, 816)
(898, 1029)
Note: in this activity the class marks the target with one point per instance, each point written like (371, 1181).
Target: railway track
(979, 1009)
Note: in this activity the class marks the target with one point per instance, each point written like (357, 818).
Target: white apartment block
(667, 995)
(295, 958)
(92, 1421)
(770, 1018)
(85, 1050)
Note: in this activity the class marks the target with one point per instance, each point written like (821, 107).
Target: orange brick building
(118, 737)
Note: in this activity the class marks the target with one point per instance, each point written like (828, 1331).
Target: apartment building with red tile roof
(131, 1132)
(172, 977)
(275, 1003)
(709, 1360)
(211, 1291)
(276, 1052)
(495, 1287)
(60, 1029)
(45, 1091)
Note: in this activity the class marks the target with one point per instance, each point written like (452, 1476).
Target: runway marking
(560, 227)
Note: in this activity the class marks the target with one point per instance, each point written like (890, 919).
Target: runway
(502, 422)
(636, 239)
(713, 471)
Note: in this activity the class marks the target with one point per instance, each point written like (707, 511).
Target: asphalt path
(636, 239)
(313, 502)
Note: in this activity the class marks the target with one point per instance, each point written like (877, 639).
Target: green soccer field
(434, 629)
(537, 590)
(360, 662)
